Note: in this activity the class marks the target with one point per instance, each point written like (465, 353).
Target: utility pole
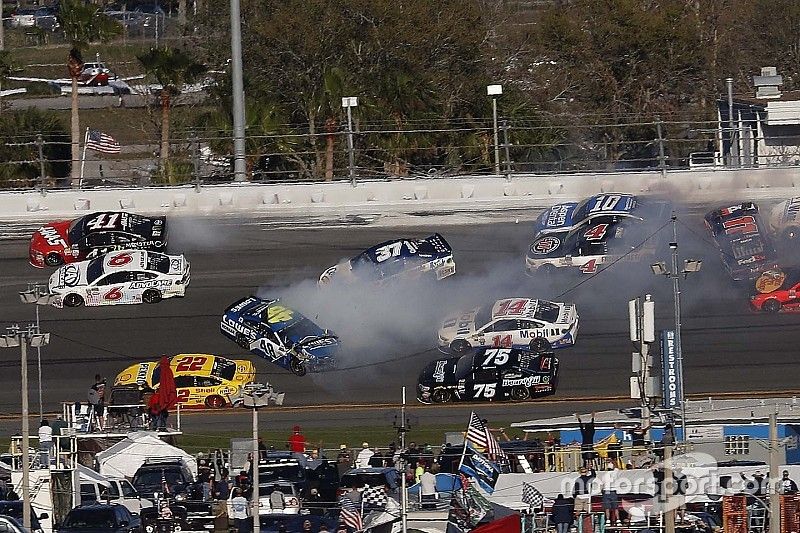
(37, 294)
(676, 298)
(239, 166)
(667, 488)
(402, 429)
(494, 91)
(641, 316)
(774, 476)
(731, 161)
(349, 102)
(256, 461)
(507, 149)
(662, 160)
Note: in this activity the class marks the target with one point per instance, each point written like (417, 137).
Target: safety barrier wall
(385, 198)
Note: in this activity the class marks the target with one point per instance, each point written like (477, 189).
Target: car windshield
(153, 478)
(75, 231)
(90, 519)
(547, 311)
(271, 472)
(266, 490)
(157, 262)
(484, 316)
(94, 270)
(225, 369)
(373, 479)
(464, 365)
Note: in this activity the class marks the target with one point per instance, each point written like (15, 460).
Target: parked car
(13, 508)
(150, 478)
(10, 524)
(46, 18)
(108, 518)
(23, 18)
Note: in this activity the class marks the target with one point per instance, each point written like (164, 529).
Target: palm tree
(82, 24)
(172, 68)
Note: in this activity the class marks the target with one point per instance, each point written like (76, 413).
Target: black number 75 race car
(489, 374)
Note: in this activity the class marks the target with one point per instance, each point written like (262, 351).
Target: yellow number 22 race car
(202, 381)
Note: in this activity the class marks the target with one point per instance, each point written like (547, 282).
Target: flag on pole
(477, 466)
(349, 514)
(373, 498)
(102, 142)
(532, 496)
(482, 439)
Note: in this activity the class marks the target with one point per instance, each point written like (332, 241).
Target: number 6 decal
(120, 259)
(113, 294)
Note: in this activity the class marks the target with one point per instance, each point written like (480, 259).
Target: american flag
(480, 437)
(349, 514)
(100, 142)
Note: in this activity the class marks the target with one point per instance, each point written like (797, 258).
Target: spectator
(203, 468)
(754, 485)
(389, 457)
(297, 442)
(582, 490)
(787, 485)
(307, 526)
(667, 439)
(45, 443)
(638, 434)
(239, 508)
(421, 467)
(412, 455)
(363, 457)
(563, 513)
(222, 486)
(58, 426)
(97, 399)
(427, 483)
(262, 449)
(376, 461)
(344, 461)
(608, 485)
(587, 440)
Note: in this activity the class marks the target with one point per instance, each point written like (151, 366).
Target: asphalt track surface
(727, 348)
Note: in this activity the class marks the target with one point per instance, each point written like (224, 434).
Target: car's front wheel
(215, 402)
(151, 296)
(460, 346)
(297, 367)
(53, 259)
(441, 396)
(771, 306)
(539, 345)
(73, 300)
(520, 393)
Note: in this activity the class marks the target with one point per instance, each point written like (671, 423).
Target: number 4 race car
(401, 258)
(126, 277)
(93, 235)
(202, 380)
(511, 323)
(279, 334)
(489, 374)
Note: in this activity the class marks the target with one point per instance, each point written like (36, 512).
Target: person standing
(363, 457)
(788, 486)
(297, 442)
(45, 443)
(97, 399)
(582, 490)
(608, 485)
(240, 507)
(587, 440)
(563, 513)
(344, 461)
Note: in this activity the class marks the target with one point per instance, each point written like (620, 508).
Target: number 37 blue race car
(281, 335)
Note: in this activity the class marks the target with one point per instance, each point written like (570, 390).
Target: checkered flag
(373, 498)
(532, 496)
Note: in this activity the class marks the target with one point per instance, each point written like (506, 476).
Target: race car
(539, 325)
(489, 374)
(777, 291)
(743, 243)
(400, 258)
(784, 220)
(600, 230)
(92, 235)
(202, 380)
(124, 277)
(269, 329)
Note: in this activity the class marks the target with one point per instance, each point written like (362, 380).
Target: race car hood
(50, 237)
(70, 275)
(459, 324)
(441, 371)
(555, 218)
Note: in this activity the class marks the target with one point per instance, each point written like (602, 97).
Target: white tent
(87, 475)
(125, 457)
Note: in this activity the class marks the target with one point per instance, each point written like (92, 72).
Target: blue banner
(670, 371)
(476, 465)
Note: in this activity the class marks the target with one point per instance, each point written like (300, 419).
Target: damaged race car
(489, 374)
(784, 220)
(777, 291)
(92, 235)
(538, 325)
(269, 329)
(398, 259)
(598, 231)
(744, 246)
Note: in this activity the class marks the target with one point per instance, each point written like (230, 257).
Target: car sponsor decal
(141, 374)
(233, 327)
(526, 382)
(51, 236)
(545, 245)
(557, 216)
(769, 281)
(72, 275)
(241, 305)
(149, 284)
(438, 373)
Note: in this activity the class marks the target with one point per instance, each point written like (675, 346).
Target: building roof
(698, 413)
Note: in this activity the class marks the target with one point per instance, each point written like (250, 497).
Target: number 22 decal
(191, 364)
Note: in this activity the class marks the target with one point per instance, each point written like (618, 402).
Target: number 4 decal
(589, 267)
(596, 233)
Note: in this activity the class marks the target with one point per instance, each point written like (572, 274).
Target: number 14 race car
(489, 374)
(93, 235)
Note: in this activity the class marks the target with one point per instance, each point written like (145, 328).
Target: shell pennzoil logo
(770, 281)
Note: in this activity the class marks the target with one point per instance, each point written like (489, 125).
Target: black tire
(460, 346)
(539, 345)
(771, 306)
(151, 296)
(520, 393)
(215, 401)
(73, 300)
(441, 396)
(242, 341)
(149, 528)
(297, 367)
(53, 259)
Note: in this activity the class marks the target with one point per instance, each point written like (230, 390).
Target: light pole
(402, 429)
(348, 102)
(37, 294)
(689, 266)
(494, 91)
(237, 86)
(22, 336)
(254, 396)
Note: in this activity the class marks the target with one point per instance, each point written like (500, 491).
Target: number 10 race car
(489, 374)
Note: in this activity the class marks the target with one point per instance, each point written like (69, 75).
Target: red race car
(67, 241)
(777, 291)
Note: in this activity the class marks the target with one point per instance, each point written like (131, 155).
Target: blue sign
(671, 381)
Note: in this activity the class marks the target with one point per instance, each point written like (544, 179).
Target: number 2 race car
(600, 230)
(126, 277)
(93, 235)
(401, 258)
(743, 243)
(202, 380)
(511, 323)
(269, 329)
(489, 374)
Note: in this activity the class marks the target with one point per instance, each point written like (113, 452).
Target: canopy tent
(87, 475)
(125, 457)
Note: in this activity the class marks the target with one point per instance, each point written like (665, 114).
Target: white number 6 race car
(125, 277)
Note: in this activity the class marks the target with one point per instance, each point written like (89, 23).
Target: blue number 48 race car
(281, 335)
